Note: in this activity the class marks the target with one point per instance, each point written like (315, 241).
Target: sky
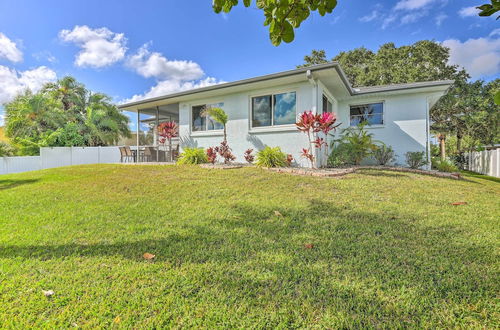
(136, 49)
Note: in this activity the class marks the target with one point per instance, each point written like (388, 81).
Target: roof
(331, 65)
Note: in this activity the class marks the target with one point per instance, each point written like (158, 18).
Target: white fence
(60, 156)
(485, 162)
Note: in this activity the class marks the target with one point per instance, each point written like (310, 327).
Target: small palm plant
(217, 114)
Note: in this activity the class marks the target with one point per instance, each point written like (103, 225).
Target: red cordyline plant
(167, 131)
(312, 124)
(225, 152)
(248, 156)
(211, 155)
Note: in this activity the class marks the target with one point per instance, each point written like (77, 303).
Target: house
(262, 110)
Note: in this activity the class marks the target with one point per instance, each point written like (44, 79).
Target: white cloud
(480, 57)
(153, 64)
(370, 17)
(9, 50)
(166, 87)
(99, 47)
(13, 82)
(468, 11)
(2, 118)
(45, 56)
(495, 33)
(440, 19)
(388, 21)
(412, 17)
(413, 4)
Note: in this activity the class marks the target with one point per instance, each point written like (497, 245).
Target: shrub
(444, 165)
(225, 152)
(383, 154)
(353, 146)
(5, 149)
(248, 156)
(192, 156)
(415, 159)
(211, 155)
(271, 157)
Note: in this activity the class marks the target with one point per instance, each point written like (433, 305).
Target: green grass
(389, 249)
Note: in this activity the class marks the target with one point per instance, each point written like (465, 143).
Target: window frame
(205, 131)
(329, 99)
(369, 103)
(272, 94)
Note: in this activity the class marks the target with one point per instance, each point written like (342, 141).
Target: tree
(422, 61)
(282, 16)
(489, 9)
(219, 115)
(63, 113)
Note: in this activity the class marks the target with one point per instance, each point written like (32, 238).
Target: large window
(204, 123)
(274, 109)
(372, 114)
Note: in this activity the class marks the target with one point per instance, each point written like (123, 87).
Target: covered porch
(149, 147)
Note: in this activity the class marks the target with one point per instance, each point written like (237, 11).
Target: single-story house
(262, 110)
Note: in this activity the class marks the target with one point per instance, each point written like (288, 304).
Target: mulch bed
(222, 166)
(338, 172)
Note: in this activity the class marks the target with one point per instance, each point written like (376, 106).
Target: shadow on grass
(392, 252)
(379, 173)
(481, 176)
(8, 184)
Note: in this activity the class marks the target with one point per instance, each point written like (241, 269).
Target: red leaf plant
(211, 155)
(225, 152)
(167, 131)
(248, 156)
(312, 124)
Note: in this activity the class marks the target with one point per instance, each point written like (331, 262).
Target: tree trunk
(171, 158)
(225, 134)
(442, 145)
(459, 142)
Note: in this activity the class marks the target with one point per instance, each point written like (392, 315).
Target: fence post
(98, 154)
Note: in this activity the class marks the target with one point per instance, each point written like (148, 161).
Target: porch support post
(138, 132)
(157, 133)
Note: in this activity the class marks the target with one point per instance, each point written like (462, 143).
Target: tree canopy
(63, 113)
(282, 16)
(489, 9)
(422, 61)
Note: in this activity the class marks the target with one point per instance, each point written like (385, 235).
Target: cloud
(413, 4)
(468, 12)
(99, 47)
(45, 56)
(13, 82)
(153, 64)
(495, 33)
(412, 17)
(370, 17)
(166, 87)
(2, 118)
(440, 19)
(480, 57)
(9, 50)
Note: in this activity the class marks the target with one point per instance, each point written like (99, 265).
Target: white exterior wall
(405, 122)
(240, 135)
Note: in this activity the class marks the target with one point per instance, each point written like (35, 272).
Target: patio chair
(129, 154)
(123, 154)
(149, 154)
(175, 153)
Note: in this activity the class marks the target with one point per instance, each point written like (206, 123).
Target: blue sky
(132, 49)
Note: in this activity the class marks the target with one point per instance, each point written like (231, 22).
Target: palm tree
(71, 94)
(104, 123)
(219, 115)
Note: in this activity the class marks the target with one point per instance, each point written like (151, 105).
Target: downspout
(428, 133)
(314, 109)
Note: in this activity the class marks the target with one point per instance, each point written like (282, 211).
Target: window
(273, 110)
(202, 123)
(327, 105)
(372, 114)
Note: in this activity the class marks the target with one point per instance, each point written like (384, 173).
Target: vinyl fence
(60, 156)
(485, 162)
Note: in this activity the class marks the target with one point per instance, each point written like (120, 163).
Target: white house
(262, 110)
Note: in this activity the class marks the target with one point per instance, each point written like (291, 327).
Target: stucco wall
(239, 134)
(405, 123)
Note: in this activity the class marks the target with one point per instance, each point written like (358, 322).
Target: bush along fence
(485, 162)
(60, 156)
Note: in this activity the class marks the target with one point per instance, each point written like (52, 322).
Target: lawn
(388, 249)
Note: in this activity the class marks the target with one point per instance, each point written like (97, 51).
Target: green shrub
(271, 157)
(444, 165)
(415, 159)
(383, 154)
(5, 149)
(191, 156)
(352, 147)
